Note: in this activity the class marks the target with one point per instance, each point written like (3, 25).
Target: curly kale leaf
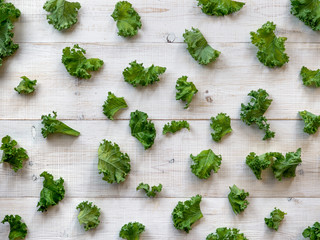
(132, 231)
(128, 20)
(221, 126)
(114, 164)
(311, 122)
(136, 74)
(12, 154)
(113, 104)
(89, 215)
(52, 192)
(142, 129)
(254, 110)
(310, 78)
(204, 163)
(312, 232)
(18, 229)
(175, 126)
(199, 48)
(271, 48)
(237, 199)
(226, 234)
(63, 14)
(185, 90)
(77, 64)
(187, 213)
(220, 7)
(26, 86)
(308, 11)
(150, 192)
(8, 14)
(286, 166)
(52, 125)
(276, 217)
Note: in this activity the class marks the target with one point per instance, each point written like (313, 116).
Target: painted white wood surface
(222, 87)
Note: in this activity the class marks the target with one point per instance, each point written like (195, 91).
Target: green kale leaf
(26, 86)
(271, 48)
(18, 229)
(253, 112)
(220, 7)
(114, 165)
(310, 77)
(142, 129)
(221, 126)
(226, 234)
(128, 20)
(308, 11)
(77, 64)
(136, 74)
(175, 126)
(312, 232)
(204, 163)
(12, 154)
(199, 48)
(89, 215)
(113, 104)
(8, 14)
(63, 14)
(150, 192)
(237, 199)
(187, 213)
(132, 231)
(311, 122)
(52, 192)
(276, 217)
(52, 125)
(185, 90)
(286, 166)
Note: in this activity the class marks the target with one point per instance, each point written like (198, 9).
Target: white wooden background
(222, 87)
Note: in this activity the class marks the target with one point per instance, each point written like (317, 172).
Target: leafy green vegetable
(150, 192)
(114, 165)
(89, 215)
(311, 122)
(253, 112)
(52, 125)
(187, 213)
(175, 126)
(63, 14)
(271, 48)
(312, 232)
(276, 217)
(52, 192)
(221, 126)
(286, 166)
(204, 163)
(8, 14)
(77, 64)
(237, 199)
(26, 86)
(199, 48)
(136, 74)
(308, 11)
(142, 129)
(185, 90)
(220, 7)
(113, 104)
(18, 229)
(132, 231)
(226, 234)
(12, 154)
(310, 77)
(128, 20)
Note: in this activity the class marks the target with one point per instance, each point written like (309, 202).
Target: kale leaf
(312, 232)
(237, 199)
(310, 77)
(220, 7)
(226, 234)
(185, 90)
(150, 192)
(308, 11)
(175, 126)
(221, 125)
(132, 231)
(276, 217)
(311, 122)
(89, 215)
(26, 86)
(113, 104)
(18, 229)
